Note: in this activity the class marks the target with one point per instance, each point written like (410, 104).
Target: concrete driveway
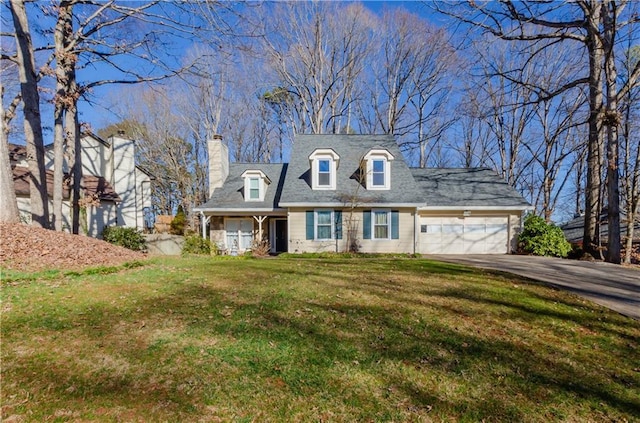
(610, 285)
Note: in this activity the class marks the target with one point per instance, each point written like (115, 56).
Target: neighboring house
(356, 192)
(121, 189)
(574, 229)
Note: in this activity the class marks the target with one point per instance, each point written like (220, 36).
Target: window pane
(434, 229)
(381, 232)
(323, 165)
(452, 229)
(381, 218)
(378, 179)
(324, 179)
(378, 165)
(324, 232)
(253, 183)
(478, 227)
(324, 218)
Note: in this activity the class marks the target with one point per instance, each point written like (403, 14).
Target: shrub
(195, 244)
(542, 239)
(260, 248)
(124, 237)
(179, 222)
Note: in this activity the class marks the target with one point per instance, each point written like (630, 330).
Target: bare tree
(8, 203)
(589, 25)
(318, 54)
(630, 146)
(32, 120)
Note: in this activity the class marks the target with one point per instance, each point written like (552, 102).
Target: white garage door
(469, 235)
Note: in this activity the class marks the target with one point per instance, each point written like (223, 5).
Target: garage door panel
(471, 235)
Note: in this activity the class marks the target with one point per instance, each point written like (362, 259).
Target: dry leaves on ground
(30, 248)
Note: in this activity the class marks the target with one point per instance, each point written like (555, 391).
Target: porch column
(260, 219)
(205, 220)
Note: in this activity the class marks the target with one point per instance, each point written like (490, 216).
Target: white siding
(299, 244)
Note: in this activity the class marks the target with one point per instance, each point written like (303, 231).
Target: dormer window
(255, 185)
(254, 188)
(324, 165)
(324, 173)
(377, 164)
(378, 172)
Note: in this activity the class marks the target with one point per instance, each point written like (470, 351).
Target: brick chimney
(218, 162)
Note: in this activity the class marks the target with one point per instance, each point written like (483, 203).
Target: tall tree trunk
(612, 121)
(591, 238)
(72, 132)
(64, 63)
(32, 122)
(8, 203)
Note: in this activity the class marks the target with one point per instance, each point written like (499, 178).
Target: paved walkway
(610, 285)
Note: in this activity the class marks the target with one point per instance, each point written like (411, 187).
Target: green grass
(340, 339)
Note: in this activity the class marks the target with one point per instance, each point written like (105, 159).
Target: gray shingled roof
(231, 195)
(351, 148)
(458, 188)
(574, 229)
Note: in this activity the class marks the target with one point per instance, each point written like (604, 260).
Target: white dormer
(324, 165)
(377, 165)
(255, 185)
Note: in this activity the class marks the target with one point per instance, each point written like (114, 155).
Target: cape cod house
(120, 189)
(356, 192)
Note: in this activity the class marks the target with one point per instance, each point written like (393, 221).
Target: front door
(281, 236)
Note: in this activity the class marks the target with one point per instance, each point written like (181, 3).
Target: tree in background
(592, 27)
(32, 120)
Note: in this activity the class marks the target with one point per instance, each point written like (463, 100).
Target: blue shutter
(395, 224)
(338, 218)
(366, 224)
(310, 225)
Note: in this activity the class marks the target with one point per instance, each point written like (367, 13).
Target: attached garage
(464, 235)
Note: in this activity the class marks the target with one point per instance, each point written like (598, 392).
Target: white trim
(263, 181)
(373, 224)
(358, 206)
(314, 161)
(239, 232)
(331, 223)
(245, 210)
(463, 208)
(378, 154)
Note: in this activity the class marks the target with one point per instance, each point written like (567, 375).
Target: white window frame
(315, 158)
(263, 181)
(331, 223)
(373, 224)
(239, 233)
(378, 155)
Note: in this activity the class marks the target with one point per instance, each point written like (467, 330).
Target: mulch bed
(29, 248)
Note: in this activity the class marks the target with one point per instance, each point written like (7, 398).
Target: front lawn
(290, 339)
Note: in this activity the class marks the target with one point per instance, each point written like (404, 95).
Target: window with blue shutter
(366, 224)
(310, 224)
(395, 224)
(338, 220)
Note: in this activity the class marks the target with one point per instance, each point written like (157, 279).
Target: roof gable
(230, 196)
(350, 187)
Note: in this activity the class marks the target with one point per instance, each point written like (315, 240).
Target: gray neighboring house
(574, 229)
(356, 192)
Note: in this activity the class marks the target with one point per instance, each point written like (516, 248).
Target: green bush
(124, 237)
(194, 244)
(179, 222)
(542, 239)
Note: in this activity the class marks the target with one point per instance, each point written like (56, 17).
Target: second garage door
(468, 235)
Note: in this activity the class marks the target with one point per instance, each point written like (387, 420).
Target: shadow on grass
(404, 340)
